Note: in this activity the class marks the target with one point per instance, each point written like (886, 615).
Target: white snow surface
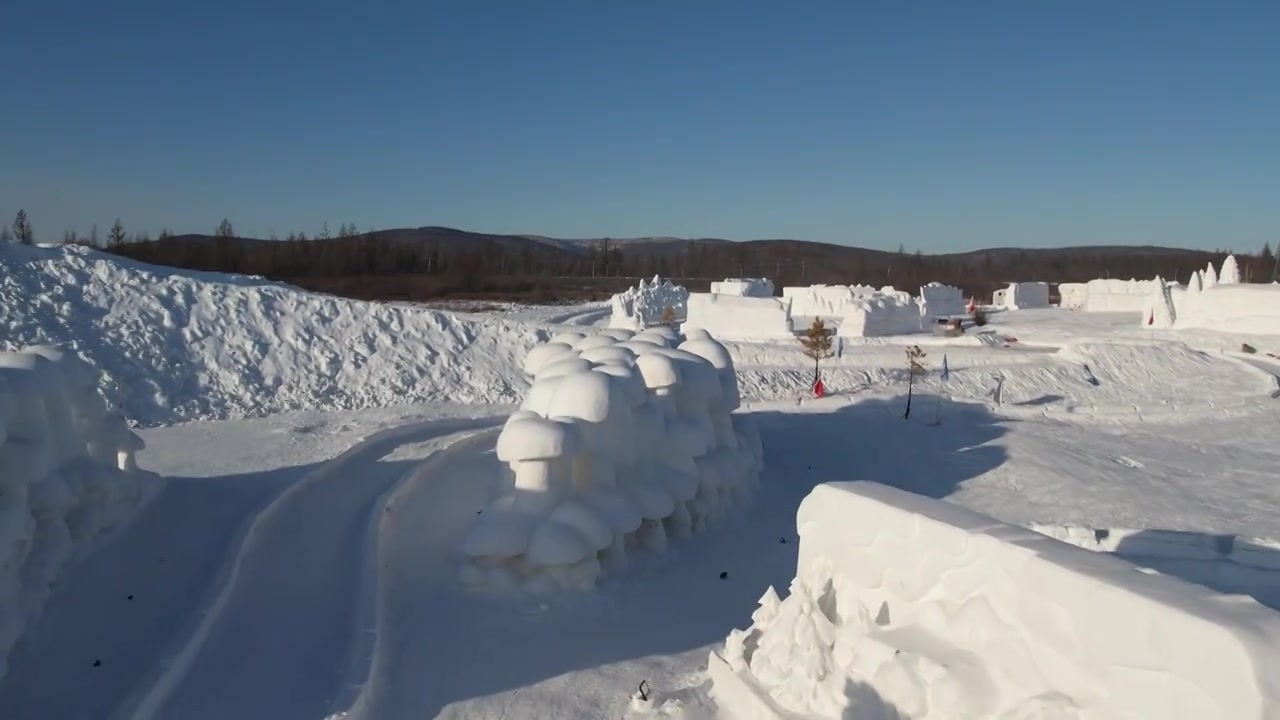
(67, 477)
(907, 606)
(181, 345)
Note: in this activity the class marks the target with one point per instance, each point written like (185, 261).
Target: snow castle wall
(1242, 308)
(729, 317)
(936, 611)
(1073, 296)
(67, 475)
(823, 301)
(743, 287)
(938, 300)
(1022, 296)
(1113, 295)
(623, 441)
(890, 313)
(641, 306)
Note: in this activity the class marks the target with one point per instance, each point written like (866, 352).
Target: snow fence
(67, 476)
(903, 604)
(743, 287)
(643, 305)
(623, 441)
(739, 318)
(892, 312)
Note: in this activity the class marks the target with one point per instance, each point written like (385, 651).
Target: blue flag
(946, 371)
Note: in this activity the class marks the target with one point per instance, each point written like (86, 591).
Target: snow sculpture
(743, 287)
(1022, 296)
(1114, 295)
(68, 474)
(1210, 276)
(938, 300)
(885, 313)
(825, 301)
(644, 304)
(618, 445)
(739, 318)
(1230, 274)
(905, 602)
(1073, 296)
(1159, 311)
(1241, 307)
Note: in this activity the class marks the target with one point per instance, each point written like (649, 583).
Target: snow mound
(743, 287)
(739, 318)
(612, 455)
(179, 345)
(67, 476)
(644, 304)
(890, 312)
(907, 604)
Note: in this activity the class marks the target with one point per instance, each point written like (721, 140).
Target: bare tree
(324, 231)
(225, 230)
(116, 236)
(817, 344)
(165, 234)
(22, 231)
(915, 369)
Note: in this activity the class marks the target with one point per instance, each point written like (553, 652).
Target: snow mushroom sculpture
(622, 442)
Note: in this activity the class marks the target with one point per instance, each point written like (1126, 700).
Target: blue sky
(934, 125)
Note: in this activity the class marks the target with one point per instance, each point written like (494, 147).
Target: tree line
(418, 265)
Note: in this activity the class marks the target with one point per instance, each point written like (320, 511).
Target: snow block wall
(729, 317)
(889, 313)
(938, 300)
(67, 475)
(1112, 295)
(824, 301)
(622, 442)
(1241, 308)
(936, 611)
(1073, 296)
(743, 287)
(1023, 296)
(643, 305)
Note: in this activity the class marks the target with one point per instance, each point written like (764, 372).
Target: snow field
(643, 305)
(903, 604)
(622, 441)
(740, 318)
(68, 475)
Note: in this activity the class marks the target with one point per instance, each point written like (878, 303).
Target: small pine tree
(668, 317)
(225, 231)
(817, 344)
(915, 368)
(116, 237)
(22, 231)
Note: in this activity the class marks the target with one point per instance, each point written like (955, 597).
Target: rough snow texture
(740, 318)
(67, 476)
(744, 287)
(885, 313)
(824, 301)
(1022, 296)
(1242, 308)
(1112, 295)
(179, 345)
(937, 300)
(643, 305)
(1073, 296)
(609, 455)
(916, 606)
(1247, 552)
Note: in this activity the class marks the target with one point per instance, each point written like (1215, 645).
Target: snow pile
(184, 345)
(1230, 274)
(740, 318)
(938, 300)
(1112, 295)
(1022, 296)
(67, 475)
(1073, 296)
(824, 301)
(643, 305)
(621, 442)
(743, 287)
(887, 313)
(920, 607)
(1230, 307)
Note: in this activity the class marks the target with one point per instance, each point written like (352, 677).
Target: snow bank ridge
(623, 440)
(67, 475)
(643, 305)
(905, 603)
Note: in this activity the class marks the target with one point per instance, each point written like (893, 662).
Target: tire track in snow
(271, 644)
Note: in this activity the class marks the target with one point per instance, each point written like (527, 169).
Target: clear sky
(949, 124)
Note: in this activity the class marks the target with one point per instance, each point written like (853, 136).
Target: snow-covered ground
(303, 564)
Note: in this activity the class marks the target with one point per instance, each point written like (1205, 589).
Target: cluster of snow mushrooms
(625, 439)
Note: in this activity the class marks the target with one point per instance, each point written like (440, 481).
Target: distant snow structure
(824, 301)
(730, 317)
(1073, 296)
(987, 620)
(1210, 276)
(641, 306)
(1115, 295)
(1233, 307)
(940, 301)
(892, 312)
(1022, 296)
(743, 287)
(1230, 274)
(68, 475)
(618, 445)
(1159, 311)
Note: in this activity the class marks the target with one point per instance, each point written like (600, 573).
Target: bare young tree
(225, 231)
(22, 231)
(817, 345)
(915, 369)
(116, 236)
(324, 231)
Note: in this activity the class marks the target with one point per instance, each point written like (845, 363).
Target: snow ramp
(189, 345)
